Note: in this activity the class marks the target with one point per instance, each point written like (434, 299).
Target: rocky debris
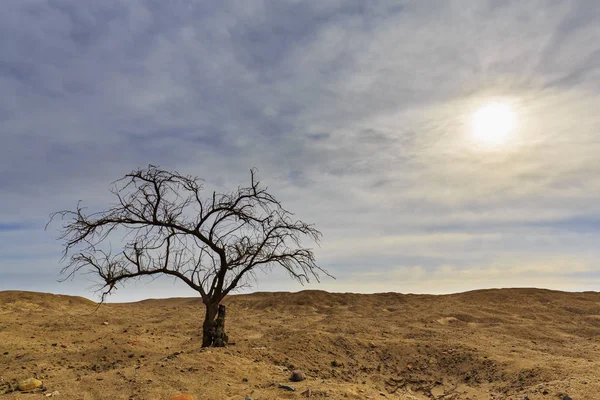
(566, 397)
(297, 376)
(29, 384)
(172, 356)
(105, 323)
(182, 397)
(286, 387)
(5, 387)
(248, 398)
(306, 393)
(55, 393)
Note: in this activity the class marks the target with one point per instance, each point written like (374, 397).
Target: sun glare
(492, 124)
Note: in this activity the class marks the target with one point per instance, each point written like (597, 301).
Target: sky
(357, 115)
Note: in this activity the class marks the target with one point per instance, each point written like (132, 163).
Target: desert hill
(486, 344)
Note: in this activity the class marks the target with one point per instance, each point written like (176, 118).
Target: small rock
(307, 393)
(566, 397)
(105, 323)
(297, 376)
(287, 387)
(29, 384)
(182, 397)
(6, 388)
(248, 398)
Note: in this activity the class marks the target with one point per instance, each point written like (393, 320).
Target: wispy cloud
(356, 116)
(14, 226)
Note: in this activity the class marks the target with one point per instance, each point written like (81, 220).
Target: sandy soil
(492, 344)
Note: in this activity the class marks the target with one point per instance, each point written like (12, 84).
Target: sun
(492, 124)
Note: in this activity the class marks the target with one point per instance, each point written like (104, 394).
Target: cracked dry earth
(489, 344)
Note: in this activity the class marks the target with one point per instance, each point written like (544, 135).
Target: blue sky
(355, 113)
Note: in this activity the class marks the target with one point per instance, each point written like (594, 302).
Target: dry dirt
(490, 344)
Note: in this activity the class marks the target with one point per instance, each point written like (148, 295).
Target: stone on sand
(182, 397)
(29, 384)
(297, 376)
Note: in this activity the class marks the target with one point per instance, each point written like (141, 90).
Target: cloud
(356, 117)
(571, 274)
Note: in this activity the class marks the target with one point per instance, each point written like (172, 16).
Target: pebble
(306, 393)
(182, 397)
(287, 387)
(29, 384)
(297, 376)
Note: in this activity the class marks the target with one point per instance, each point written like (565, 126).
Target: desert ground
(488, 344)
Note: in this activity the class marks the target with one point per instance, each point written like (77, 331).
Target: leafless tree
(213, 244)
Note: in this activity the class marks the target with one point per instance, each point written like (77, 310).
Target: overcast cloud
(355, 113)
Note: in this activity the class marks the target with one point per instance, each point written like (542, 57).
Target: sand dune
(487, 344)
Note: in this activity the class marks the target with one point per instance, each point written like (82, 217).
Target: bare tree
(213, 244)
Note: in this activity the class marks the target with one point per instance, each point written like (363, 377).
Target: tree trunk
(213, 330)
